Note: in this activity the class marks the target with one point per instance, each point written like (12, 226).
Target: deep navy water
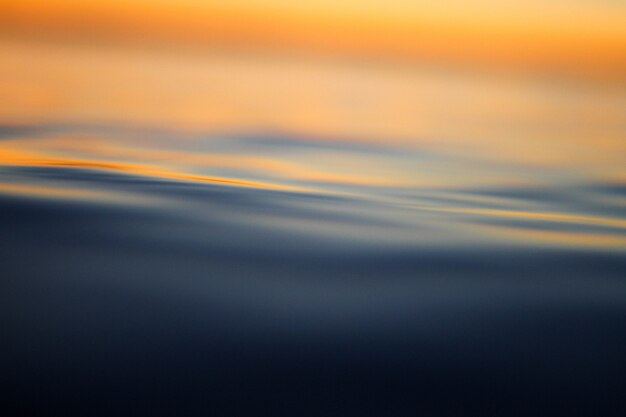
(208, 290)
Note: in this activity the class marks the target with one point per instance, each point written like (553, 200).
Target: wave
(146, 282)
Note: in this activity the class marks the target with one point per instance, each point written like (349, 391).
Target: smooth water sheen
(200, 235)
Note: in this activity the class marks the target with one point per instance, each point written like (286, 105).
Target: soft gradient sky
(572, 37)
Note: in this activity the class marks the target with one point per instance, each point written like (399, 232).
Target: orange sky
(574, 37)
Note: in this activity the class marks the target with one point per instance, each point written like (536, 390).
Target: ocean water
(381, 264)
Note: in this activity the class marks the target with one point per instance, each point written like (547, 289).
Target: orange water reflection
(538, 122)
(412, 191)
(433, 140)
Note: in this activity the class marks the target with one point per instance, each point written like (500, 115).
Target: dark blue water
(148, 284)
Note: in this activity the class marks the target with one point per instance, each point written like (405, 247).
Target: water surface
(437, 244)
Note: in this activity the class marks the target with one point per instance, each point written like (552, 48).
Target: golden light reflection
(85, 152)
(68, 193)
(557, 238)
(33, 158)
(572, 126)
(170, 163)
(386, 102)
(542, 216)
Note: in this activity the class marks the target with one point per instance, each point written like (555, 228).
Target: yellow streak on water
(25, 158)
(561, 238)
(542, 216)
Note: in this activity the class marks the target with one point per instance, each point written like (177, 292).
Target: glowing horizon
(574, 38)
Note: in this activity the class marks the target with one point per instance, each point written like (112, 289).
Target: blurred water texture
(192, 233)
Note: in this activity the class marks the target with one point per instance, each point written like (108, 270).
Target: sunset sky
(577, 37)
